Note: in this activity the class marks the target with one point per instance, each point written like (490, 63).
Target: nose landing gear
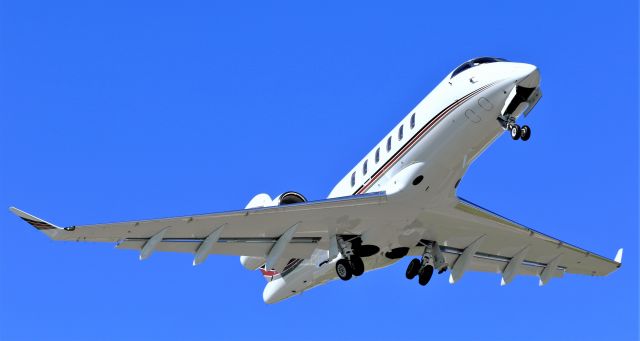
(508, 122)
(517, 132)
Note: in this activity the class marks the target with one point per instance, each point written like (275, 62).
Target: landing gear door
(533, 100)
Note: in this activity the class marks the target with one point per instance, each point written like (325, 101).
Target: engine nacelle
(251, 263)
(260, 200)
(286, 198)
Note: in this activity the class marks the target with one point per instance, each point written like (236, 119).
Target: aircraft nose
(527, 75)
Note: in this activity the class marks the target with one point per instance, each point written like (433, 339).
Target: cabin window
(378, 155)
(353, 179)
(389, 143)
(400, 133)
(364, 167)
(412, 122)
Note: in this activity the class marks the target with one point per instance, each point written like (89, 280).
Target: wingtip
(618, 258)
(34, 221)
(16, 211)
(22, 214)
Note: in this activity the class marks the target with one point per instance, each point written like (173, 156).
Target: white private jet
(399, 200)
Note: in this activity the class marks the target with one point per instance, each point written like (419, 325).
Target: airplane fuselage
(400, 200)
(432, 146)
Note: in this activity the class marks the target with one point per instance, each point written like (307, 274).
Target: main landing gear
(351, 264)
(346, 268)
(431, 257)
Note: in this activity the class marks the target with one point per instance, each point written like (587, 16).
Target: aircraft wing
(499, 245)
(248, 232)
(505, 247)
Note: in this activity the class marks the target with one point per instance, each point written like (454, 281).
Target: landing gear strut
(351, 264)
(423, 268)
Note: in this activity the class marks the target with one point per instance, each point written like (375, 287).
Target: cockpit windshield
(475, 62)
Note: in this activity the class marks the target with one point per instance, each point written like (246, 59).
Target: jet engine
(286, 198)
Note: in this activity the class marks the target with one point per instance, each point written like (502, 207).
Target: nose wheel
(525, 133)
(520, 133)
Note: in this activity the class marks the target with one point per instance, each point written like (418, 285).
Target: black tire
(525, 133)
(425, 275)
(413, 268)
(343, 269)
(357, 266)
(515, 131)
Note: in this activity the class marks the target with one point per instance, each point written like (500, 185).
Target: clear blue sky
(120, 110)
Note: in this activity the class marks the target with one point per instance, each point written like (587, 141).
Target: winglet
(618, 258)
(34, 221)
